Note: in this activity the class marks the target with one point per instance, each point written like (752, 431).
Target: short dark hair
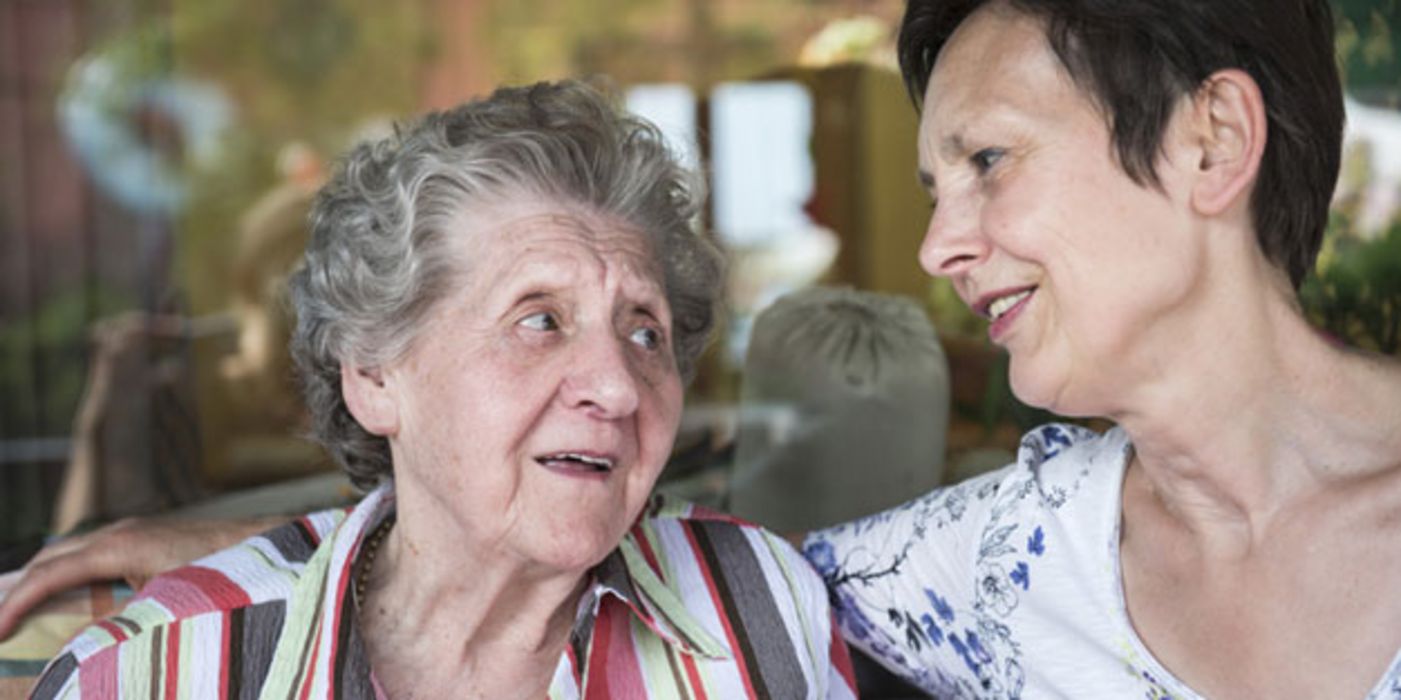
(1137, 58)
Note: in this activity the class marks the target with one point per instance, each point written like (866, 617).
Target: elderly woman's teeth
(1000, 306)
(602, 464)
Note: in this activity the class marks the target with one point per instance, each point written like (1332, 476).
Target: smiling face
(1078, 268)
(536, 408)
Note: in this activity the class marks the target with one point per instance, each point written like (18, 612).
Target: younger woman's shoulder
(1052, 468)
(1059, 457)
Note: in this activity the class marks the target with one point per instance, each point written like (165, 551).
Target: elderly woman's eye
(649, 338)
(543, 321)
(984, 159)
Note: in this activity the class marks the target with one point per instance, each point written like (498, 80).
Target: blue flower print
(1016, 679)
(995, 590)
(819, 553)
(941, 605)
(962, 650)
(1021, 575)
(1054, 438)
(1036, 543)
(932, 629)
(1155, 690)
(850, 617)
(971, 649)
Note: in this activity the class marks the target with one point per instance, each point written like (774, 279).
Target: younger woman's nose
(953, 241)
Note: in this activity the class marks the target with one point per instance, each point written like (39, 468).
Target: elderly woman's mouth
(577, 462)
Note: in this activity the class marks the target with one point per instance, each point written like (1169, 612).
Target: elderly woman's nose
(954, 241)
(602, 379)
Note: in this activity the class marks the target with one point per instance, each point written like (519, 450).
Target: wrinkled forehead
(528, 230)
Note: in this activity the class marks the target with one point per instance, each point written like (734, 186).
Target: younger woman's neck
(1268, 417)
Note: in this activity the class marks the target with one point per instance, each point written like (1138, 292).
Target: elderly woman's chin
(576, 549)
(559, 522)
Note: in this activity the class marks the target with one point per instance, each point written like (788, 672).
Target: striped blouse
(692, 604)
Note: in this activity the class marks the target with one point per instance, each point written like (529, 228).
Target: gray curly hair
(377, 260)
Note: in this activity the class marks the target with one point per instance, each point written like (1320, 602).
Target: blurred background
(157, 158)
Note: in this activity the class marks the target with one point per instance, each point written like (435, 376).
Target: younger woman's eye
(649, 338)
(542, 321)
(984, 159)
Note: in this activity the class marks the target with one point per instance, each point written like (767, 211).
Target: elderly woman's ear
(369, 399)
(1228, 128)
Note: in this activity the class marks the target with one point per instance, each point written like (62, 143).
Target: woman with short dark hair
(1130, 191)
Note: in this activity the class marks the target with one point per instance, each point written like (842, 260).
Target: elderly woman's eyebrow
(530, 271)
(649, 309)
(532, 294)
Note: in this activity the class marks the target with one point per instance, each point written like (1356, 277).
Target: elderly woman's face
(539, 403)
(1039, 228)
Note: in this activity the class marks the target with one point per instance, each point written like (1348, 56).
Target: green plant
(1355, 294)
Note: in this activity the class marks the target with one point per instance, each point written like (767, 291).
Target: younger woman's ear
(1228, 123)
(369, 399)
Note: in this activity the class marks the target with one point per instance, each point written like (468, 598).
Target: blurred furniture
(843, 410)
(867, 189)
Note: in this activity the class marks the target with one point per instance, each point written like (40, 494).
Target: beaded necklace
(368, 550)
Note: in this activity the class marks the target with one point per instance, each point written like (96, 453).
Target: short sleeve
(902, 582)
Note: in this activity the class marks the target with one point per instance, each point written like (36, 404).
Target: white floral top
(1006, 585)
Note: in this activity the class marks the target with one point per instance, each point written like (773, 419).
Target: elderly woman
(1130, 192)
(496, 313)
